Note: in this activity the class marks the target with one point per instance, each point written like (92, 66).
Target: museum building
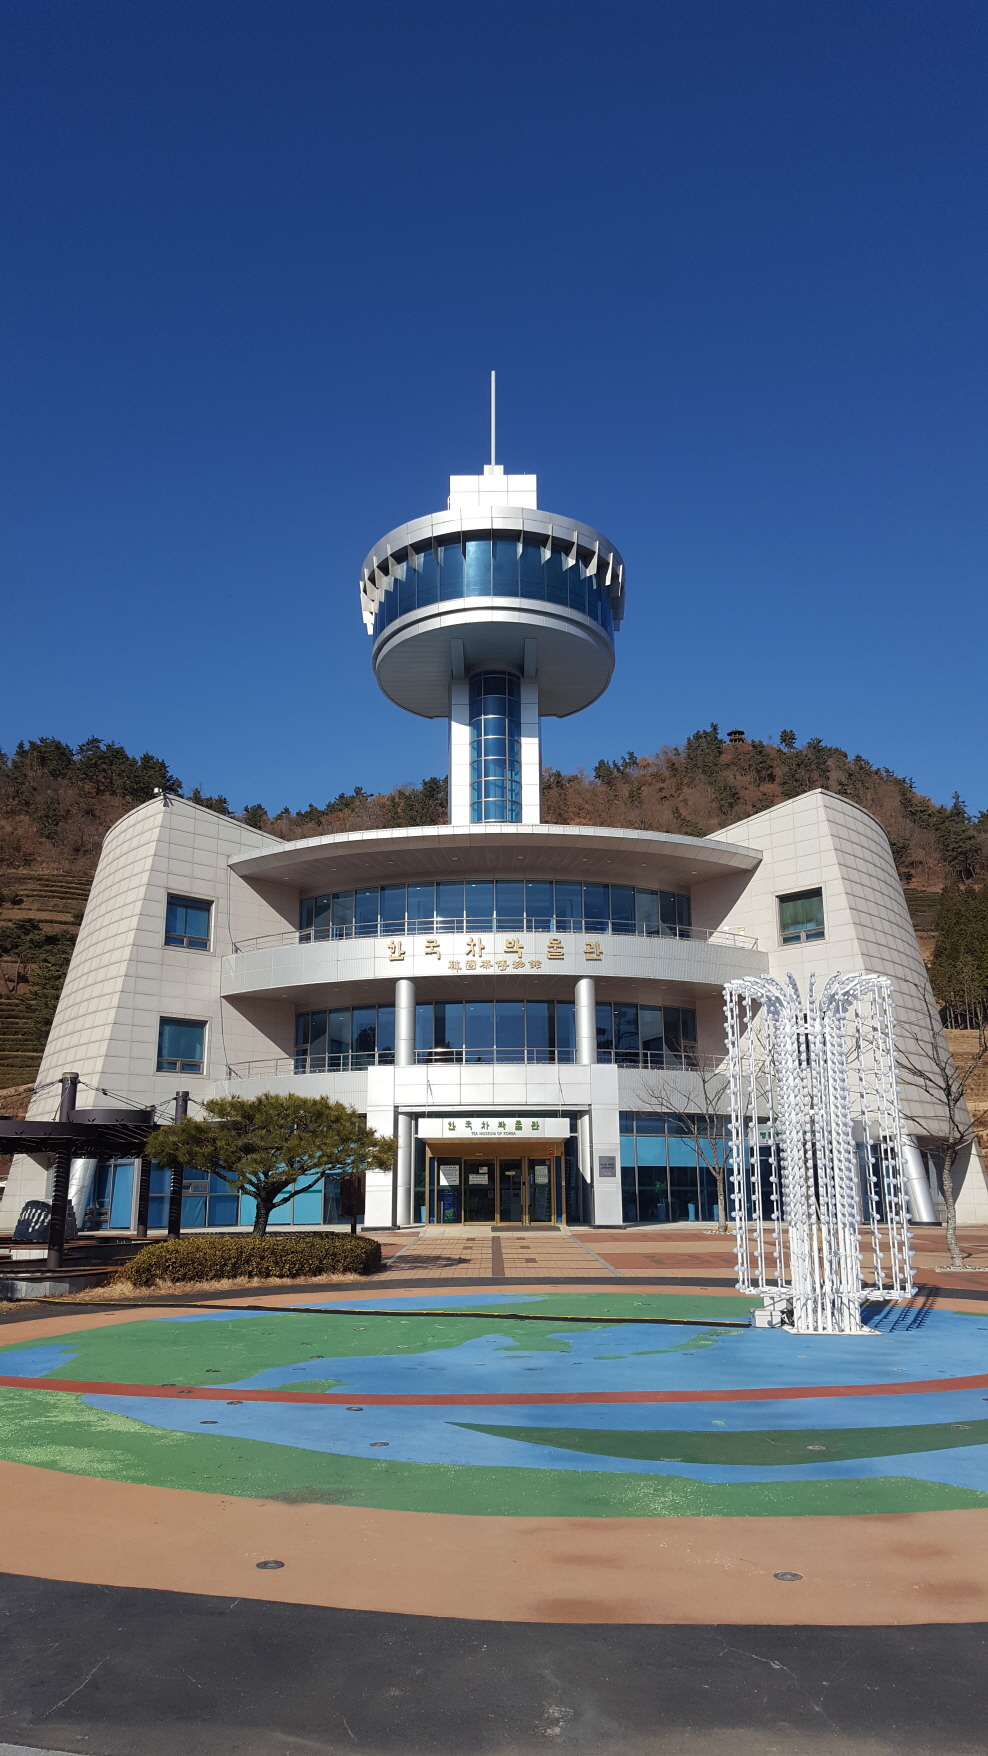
(534, 1010)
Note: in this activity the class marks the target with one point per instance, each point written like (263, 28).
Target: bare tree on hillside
(929, 1068)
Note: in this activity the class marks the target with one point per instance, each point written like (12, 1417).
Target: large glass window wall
(502, 905)
(206, 1201)
(665, 1167)
(646, 1036)
(485, 1032)
(495, 748)
(503, 567)
(344, 1037)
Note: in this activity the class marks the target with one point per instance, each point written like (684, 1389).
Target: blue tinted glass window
(565, 1027)
(647, 911)
(450, 571)
(364, 1030)
(650, 1028)
(338, 1038)
(187, 923)
(605, 1029)
(683, 913)
(530, 570)
(307, 1207)
(495, 747)
(392, 908)
(538, 906)
(651, 1151)
(479, 1026)
(318, 1043)
(505, 568)
(622, 909)
(421, 907)
(510, 1026)
(569, 906)
(426, 579)
(596, 908)
(121, 1198)
(556, 579)
(449, 1024)
(365, 912)
(385, 1030)
(577, 586)
(477, 570)
(343, 912)
(449, 906)
(626, 1029)
(539, 1022)
(405, 592)
(423, 1029)
(181, 1045)
(480, 905)
(510, 901)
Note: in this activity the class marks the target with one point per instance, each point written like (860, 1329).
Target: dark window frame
(801, 935)
(179, 1063)
(188, 941)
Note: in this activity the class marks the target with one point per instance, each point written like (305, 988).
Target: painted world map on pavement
(539, 1404)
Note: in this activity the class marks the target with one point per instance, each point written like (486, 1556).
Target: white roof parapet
(559, 850)
(493, 488)
(390, 555)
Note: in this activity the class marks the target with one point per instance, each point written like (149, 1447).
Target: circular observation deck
(459, 593)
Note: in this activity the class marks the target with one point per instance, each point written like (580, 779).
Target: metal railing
(647, 1060)
(587, 928)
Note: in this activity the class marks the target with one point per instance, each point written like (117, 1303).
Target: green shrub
(297, 1257)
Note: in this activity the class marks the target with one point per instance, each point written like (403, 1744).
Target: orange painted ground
(896, 1569)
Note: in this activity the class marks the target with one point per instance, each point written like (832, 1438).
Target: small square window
(187, 923)
(181, 1045)
(801, 917)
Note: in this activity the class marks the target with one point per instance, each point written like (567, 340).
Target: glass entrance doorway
(495, 1191)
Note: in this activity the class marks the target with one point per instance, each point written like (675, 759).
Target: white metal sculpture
(816, 1149)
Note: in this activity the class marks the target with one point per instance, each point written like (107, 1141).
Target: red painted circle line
(496, 1399)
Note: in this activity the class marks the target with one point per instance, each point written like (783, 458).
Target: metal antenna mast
(493, 418)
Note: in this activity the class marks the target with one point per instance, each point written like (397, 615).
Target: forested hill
(56, 804)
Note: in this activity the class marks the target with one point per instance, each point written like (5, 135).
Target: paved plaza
(521, 1488)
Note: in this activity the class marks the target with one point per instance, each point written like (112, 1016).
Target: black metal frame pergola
(79, 1134)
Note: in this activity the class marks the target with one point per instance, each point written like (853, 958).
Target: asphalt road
(148, 1673)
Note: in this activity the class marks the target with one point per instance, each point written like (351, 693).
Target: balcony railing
(647, 1060)
(533, 924)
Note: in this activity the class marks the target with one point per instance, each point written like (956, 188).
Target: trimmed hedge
(297, 1257)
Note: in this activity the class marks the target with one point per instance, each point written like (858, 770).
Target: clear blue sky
(260, 257)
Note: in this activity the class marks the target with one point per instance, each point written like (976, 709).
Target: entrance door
(478, 1191)
(526, 1192)
(540, 1180)
(511, 1192)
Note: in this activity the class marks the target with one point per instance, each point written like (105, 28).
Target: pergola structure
(79, 1133)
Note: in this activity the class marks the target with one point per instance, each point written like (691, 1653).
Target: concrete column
(459, 745)
(586, 1169)
(406, 1161)
(531, 741)
(586, 1022)
(404, 1022)
(922, 1208)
